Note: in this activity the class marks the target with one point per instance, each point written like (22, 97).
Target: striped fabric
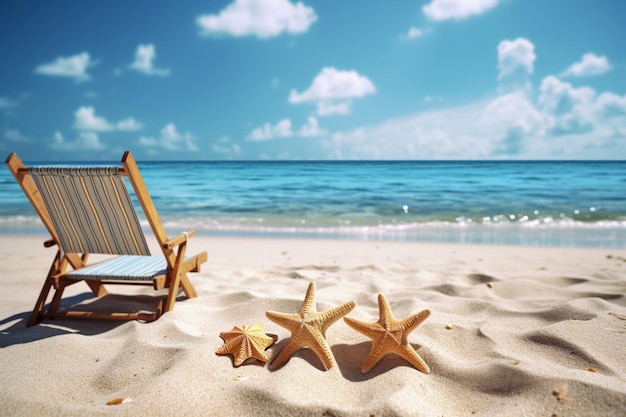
(123, 268)
(91, 210)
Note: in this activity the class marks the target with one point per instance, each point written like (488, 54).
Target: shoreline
(533, 330)
(591, 237)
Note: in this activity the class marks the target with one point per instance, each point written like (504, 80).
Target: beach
(514, 330)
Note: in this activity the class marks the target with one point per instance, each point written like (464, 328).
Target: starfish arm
(322, 350)
(257, 352)
(386, 318)
(410, 355)
(286, 320)
(229, 343)
(330, 317)
(360, 326)
(376, 354)
(243, 354)
(410, 323)
(284, 355)
(238, 347)
(309, 299)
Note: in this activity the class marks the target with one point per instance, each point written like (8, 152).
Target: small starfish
(308, 329)
(390, 336)
(248, 341)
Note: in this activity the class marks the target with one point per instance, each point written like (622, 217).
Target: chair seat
(123, 268)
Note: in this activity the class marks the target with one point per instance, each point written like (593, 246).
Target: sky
(313, 79)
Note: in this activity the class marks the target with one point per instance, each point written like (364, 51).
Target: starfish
(308, 329)
(245, 342)
(390, 336)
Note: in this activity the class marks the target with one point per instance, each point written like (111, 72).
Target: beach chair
(88, 210)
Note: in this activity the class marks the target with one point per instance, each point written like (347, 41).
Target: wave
(545, 231)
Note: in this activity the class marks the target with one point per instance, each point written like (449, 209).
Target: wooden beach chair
(88, 210)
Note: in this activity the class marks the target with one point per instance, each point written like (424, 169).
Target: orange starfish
(390, 336)
(308, 329)
(245, 342)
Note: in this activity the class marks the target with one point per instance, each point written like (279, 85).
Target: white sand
(534, 332)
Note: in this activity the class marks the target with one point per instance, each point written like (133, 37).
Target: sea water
(549, 203)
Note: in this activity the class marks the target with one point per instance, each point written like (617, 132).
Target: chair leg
(190, 292)
(173, 292)
(56, 299)
(57, 265)
(177, 276)
(38, 311)
(97, 288)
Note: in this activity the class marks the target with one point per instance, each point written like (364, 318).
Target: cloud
(225, 147)
(144, 56)
(558, 121)
(15, 135)
(311, 129)
(457, 9)
(328, 108)
(414, 33)
(590, 64)
(433, 99)
(261, 18)
(516, 62)
(86, 120)
(86, 141)
(332, 89)
(5, 103)
(129, 124)
(609, 105)
(171, 139)
(73, 67)
(568, 109)
(266, 132)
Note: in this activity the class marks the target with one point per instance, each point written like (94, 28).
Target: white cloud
(433, 99)
(171, 139)
(312, 128)
(144, 56)
(15, 135)
(331, 83)
(562, 122)
(328, 108)
(73, 67)
(86, 120)
(129, 124)
(569, 110)
(5, 103)
(441, 134)
(414, 33)
(457, 9)
(262, 18)
(590, 64)
(282, 129)
(516, 61)
(610, 105)
(86, 141)
(332, 89)
(224, 146)
(558, 121)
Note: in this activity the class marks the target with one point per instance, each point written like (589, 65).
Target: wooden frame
(173, 250)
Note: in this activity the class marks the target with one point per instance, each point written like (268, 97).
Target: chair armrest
(49, 243)
(178, 239)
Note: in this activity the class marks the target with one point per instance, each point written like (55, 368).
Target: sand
(514, 331)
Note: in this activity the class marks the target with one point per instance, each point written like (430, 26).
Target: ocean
(545, 203)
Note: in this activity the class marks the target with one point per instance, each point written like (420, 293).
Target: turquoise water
(517, 203)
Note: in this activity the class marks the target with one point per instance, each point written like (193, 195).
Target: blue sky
(323, 79)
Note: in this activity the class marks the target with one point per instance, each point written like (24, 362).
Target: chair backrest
(91, 209)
